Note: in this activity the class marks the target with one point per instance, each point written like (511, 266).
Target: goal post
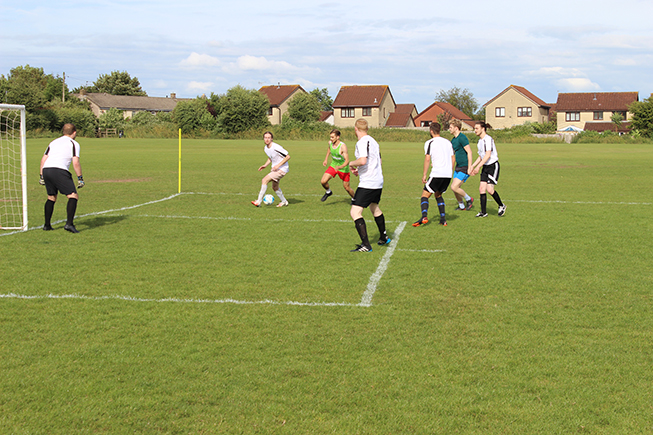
(13, 168)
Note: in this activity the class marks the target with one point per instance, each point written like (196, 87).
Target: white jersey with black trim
(441, 151)
(370, 174)
(277, 153)
(60, 153)
(486, 145)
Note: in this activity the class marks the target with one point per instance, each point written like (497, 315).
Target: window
(500, 112)
(367, 111)
(525, 112)
(347, 113)
(425, 124)
(270, 111)
(598, 116)
(572, 116)
(623, 114)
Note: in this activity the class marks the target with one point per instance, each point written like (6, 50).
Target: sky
(417, 48)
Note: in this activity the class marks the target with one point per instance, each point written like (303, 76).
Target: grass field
(199, 313)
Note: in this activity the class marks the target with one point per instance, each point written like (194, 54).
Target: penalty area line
(366, 300)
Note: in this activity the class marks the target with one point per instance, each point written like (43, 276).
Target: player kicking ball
(438, 154)
(339, 165)
(278, 157)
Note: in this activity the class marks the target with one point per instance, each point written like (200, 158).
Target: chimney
(173, 95)
(82, 91)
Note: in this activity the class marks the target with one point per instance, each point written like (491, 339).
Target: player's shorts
(364, 197)
(490, 173)
(461, 173)
(344, 176)
(437, 185)
(276, 175)
(58, 180)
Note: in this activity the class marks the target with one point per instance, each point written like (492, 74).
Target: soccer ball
(268, 199)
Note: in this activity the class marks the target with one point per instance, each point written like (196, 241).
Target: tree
(462, 99)
(241, 109)
(117, 83)
(322, 95)
(642, 116)
(112, 118)
(304, 107)
(617, 119)
(194, 115)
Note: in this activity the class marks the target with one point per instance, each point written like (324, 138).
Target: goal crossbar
(11, 139)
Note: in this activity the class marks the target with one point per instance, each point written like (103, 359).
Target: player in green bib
(339, 165)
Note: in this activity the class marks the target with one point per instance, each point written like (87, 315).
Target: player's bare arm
(281, 163)
(265, 165)
(427, 164)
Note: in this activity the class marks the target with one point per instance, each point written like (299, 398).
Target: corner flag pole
(179, 190)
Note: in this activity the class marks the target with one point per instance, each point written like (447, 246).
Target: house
(446, 110)
(326, 116)
(279, 96)
(372, 103)
(101, 102)
(582, 110)
(515, 105)
(403, 116)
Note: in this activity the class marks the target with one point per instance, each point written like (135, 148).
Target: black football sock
(424, 203)
(483, 203)
(440, 201)
(362, 231)
(380, 223)
(71, 208)
(49, 209)
(497, 198)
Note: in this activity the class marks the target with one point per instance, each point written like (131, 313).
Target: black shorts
(364, 197)
(58, 180)
(490, 173)
(437, 185)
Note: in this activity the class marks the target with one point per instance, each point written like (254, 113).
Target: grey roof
(125, 102)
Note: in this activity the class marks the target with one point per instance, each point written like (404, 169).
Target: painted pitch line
(366, 300)
(177, 300)
(422, 250)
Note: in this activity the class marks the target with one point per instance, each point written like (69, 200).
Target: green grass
(203, 314)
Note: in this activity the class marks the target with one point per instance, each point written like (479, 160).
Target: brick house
(279, 96)
(431, 113)
(101, 102)
(372, 103)
(515, 105)
(593, 110)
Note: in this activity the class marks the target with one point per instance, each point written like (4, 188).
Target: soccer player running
(438, 154)
(370, 186)
(278, 157)
(463, 154)
(488, 160)
(339, 165)
(56, 177)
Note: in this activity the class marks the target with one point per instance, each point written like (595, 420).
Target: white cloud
(199, 86)
(578, 85)
(196, 60)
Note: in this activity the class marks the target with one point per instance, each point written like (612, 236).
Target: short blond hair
(456, 123)
(361, 125)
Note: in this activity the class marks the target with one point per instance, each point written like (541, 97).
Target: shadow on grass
(100, 221)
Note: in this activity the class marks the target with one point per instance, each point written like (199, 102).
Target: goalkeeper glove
(41, 180)
(80, 182)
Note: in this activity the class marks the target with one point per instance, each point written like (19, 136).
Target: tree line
(50, 103)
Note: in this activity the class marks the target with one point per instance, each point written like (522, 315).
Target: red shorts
(344, 176)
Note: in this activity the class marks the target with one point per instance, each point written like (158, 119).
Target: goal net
(13, 168)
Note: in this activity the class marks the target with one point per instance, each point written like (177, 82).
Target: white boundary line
(366, 300)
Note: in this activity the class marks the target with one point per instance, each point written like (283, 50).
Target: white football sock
(261, 194)
(280, 195)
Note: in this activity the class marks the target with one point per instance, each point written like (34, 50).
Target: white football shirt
(441, 152)
(277, 153)
(60, 153)
(370, 174)
(486, 145)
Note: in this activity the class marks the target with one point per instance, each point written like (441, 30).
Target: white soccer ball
(268, 199)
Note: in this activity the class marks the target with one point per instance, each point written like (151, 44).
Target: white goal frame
(23, 163)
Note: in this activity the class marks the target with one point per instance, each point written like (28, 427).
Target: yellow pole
(179, 191)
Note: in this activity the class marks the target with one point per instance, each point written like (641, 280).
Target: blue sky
(417, 48)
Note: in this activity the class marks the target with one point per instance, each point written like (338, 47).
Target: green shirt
(338, 159)
(459, 142)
